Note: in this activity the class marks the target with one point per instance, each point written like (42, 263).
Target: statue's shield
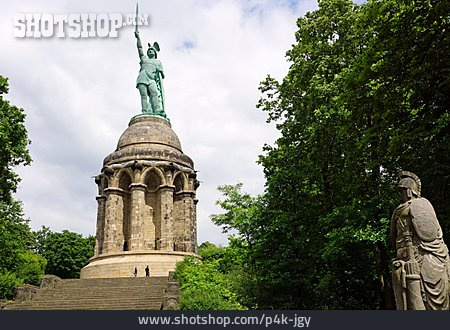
(424, 219)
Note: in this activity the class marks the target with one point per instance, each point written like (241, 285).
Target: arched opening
(152, 180)
(124, 181)
(124, 185)
(178, 182)
(179, 212)
(152, 220)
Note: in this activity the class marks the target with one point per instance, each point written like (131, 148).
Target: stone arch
(179, 181)
(121, 175)
(153, 173)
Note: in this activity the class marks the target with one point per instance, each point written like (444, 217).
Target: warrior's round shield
(424, 219)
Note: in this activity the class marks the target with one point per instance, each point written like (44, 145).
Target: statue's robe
(417, 235)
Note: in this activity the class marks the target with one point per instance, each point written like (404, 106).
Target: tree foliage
(214, 282)
(15, 234)
(13, 143)
(366, 96)
(18, 264)
(66, 252)
(241, 211)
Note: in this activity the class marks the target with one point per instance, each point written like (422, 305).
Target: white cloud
(80, 94)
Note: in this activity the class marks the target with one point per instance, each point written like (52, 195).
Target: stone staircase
(129, 293)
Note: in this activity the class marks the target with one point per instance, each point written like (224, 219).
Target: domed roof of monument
(151, 138)
(149, 130)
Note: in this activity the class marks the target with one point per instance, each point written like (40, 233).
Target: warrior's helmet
(154, 47)
(411, 181)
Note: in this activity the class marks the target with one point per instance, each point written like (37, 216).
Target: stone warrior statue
(422, 267)
(149, 81)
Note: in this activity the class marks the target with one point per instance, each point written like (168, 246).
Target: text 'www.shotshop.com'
(295, 321)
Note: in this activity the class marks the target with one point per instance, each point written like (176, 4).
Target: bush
(30, 267)
(8, 282)
(204, 287)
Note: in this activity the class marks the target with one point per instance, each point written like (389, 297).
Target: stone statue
(422, 268)
(149, 81)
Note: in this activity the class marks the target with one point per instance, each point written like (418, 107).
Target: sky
(79, 95)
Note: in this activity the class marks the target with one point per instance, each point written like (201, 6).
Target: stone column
(137, 216)
(188, 220)
(194, 227)
(99, 236)
(113, 235)
(166, 211)
(190, 232)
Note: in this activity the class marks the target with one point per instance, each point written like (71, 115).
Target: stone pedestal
(111, 265)
(146, 203)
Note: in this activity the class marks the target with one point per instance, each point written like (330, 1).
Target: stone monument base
(122, 264)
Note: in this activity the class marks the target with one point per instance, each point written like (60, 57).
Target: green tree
(17, 263)
(403, 80)
(241, 218)
(307, 173)
(13, 143)
(66, 252)
(360, 102)
(366, 95)
(241, 211)
(15, 234)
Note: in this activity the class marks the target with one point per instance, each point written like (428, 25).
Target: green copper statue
(149, 81)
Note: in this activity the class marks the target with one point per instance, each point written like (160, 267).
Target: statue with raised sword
(150, 79)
